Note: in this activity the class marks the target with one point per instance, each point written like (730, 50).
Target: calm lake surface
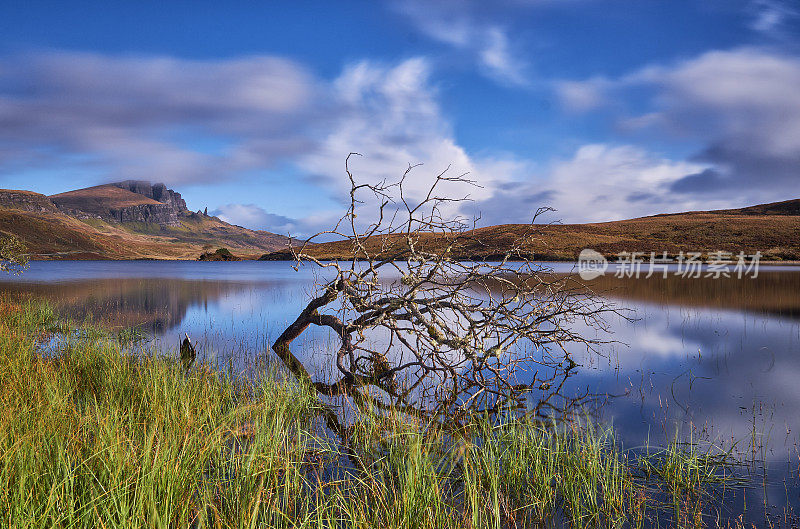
(716, 359)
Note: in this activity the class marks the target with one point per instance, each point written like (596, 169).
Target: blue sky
(603, 109)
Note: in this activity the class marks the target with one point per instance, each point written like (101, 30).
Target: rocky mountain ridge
(158, 192)
(128, 201)
(133, 219)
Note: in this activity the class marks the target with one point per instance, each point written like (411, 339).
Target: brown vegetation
(123, 220)
(773, 229)
(58, 236)
(759, 228)
(100, 198)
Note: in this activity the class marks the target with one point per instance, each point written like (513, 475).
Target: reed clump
(91, 436)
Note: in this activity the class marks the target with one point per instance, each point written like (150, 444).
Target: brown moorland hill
(99, 199)
(128, 201)
(56, 236)
(51, 232)
(772, 229)
(785, 207)
(78, 225)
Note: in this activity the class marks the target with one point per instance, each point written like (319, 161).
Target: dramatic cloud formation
(140, 117)
(181, 121)
(742, 104)
(600, 182)
(184, 121)
(392, 117)
(745, 103)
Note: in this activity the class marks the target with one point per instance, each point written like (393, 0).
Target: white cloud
(180, 121)
(581, 96)
(742, 105)
(603, 182)
(141, 118)
(394, 120)
(464, 26)
(138, 117)
(771, 16)
(599, 182)
(749, 96)
(497, 59)
(255, 217)
(442, 22)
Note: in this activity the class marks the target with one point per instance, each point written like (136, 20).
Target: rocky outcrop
(129, 201)
(26, 201)
(49, 227)
(158, 192)
(222, 254)
(163, 214)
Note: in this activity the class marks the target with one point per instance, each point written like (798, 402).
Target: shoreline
(762, 261)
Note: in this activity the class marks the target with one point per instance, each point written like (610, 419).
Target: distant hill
(139, 220)
(129, 201)
(101, 198)
(773, 229)
(787, 207)
(123, 220)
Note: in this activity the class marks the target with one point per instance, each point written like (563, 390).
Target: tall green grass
(92, 437)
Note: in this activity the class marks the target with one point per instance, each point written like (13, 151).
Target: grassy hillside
(53, 235)
(772, 229)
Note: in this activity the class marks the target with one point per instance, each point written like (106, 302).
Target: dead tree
(421, 328)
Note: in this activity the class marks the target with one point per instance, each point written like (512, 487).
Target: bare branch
(434, 334)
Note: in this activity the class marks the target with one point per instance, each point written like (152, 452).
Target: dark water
(712, 359)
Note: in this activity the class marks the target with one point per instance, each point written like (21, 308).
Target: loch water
(711, 359)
